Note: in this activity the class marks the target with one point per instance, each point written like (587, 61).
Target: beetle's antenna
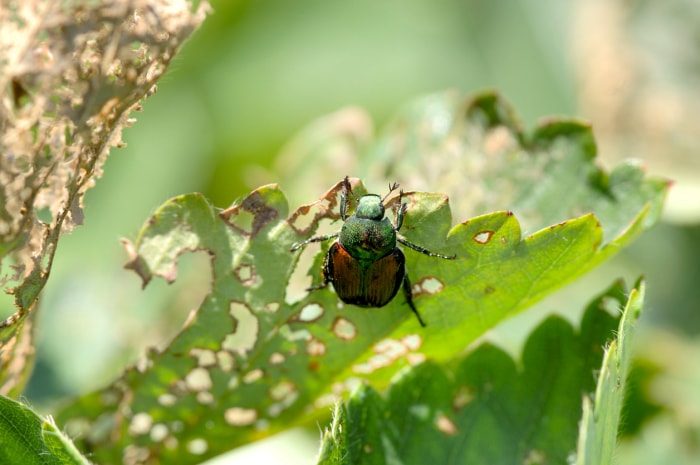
(392, 188)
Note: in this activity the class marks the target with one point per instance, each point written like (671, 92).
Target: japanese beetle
(364, 263)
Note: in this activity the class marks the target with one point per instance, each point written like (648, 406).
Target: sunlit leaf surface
(253, 359)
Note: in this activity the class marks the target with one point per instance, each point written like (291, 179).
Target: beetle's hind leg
(408, 294)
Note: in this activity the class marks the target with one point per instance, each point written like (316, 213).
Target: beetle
(364, 263)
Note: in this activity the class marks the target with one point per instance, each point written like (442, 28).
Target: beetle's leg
(344, 193)
(423, 250)
(326, 276)
(323, 285)
(400, 213)
(409, 298)
(299, 245)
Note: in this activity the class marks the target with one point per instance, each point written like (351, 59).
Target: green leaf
(601, 415)
(487, 407)
(26, 438)
(252, 360)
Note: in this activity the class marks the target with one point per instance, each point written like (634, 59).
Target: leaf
(486, 407)
(252, 361)
(475, 150)
(28, 439)
(601, 415)
(71, 100)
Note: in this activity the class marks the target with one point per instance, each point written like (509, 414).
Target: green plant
(536, 213)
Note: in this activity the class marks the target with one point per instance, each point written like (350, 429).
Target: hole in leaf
(197, 446)
(445, 425)
(276, 358)
(135, 454)
(412, 341)
(344, 329)
(282, 390)
(167, 400)
(245, 273)
(251, 215)
(243, 221)
(299, 335)
(311, 312)
(140, 424)
(430, 285)
(205, 397)
(415, 358)
(387, 351)
(286, 393)
(246, 329)
(253, 375)
(374, 363)
(304, 218)
(225, 360)
(390, 348)
(483, 237)
(315, 348)
(159, 432)
(301, 220)
(198, 380)
(237, 416)
(271, 307)
(204, 357)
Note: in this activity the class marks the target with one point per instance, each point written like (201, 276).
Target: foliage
(73, 74)
(249, 362)
(29, 439)
(253, 359)
(465, 412)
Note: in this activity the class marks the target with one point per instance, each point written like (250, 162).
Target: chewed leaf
(474, 150)
(76, 72)
(487, 407)
(251, 360)
(183, 224)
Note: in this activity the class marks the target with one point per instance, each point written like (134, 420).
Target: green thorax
(367, 235)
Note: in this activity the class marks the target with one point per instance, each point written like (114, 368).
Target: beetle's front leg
(344, 194)
(400, 214)
(409, 298)
(299, 245)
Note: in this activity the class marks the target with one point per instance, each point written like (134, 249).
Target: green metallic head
(370, 207)
(367, 234)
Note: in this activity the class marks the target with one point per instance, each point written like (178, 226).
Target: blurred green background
(258, 72)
